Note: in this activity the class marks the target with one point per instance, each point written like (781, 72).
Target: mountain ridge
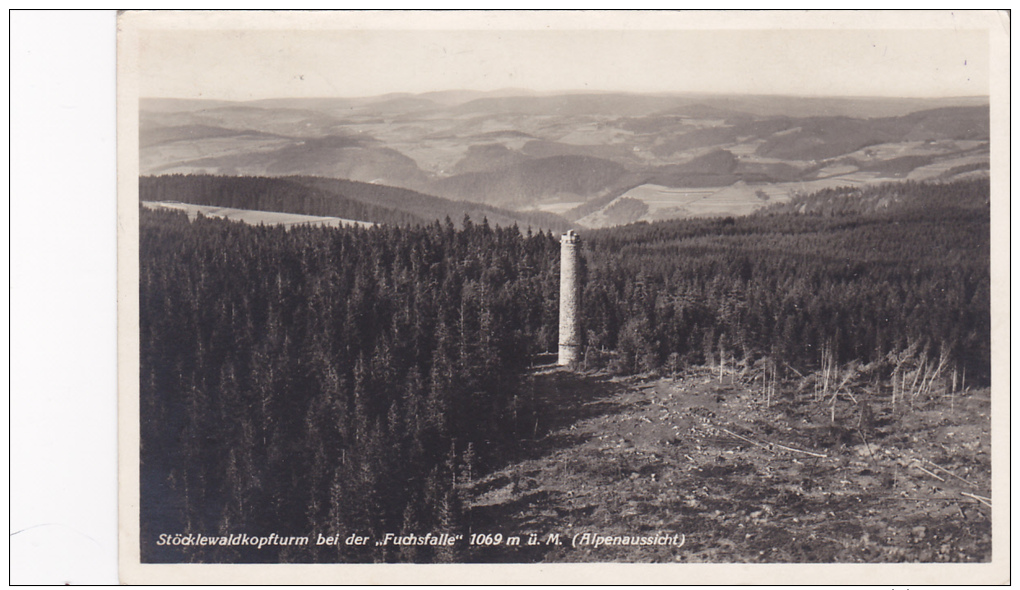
(552, 152)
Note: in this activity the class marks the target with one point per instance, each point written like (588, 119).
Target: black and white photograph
(527, 289)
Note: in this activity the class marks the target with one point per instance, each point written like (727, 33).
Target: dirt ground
(700, 456)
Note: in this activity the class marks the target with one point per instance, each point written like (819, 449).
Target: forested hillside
(939, 200)
(311, 379)
(331, 380)
(264, 194)
(334, 197)
(883, 269)
(522, 183)
(430, 208)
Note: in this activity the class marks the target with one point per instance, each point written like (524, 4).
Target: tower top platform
(569, 238)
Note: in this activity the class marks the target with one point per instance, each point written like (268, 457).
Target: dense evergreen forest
(861, 273)
(312, 379)
(321, 380)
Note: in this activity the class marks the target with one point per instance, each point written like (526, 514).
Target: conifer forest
(321, 381)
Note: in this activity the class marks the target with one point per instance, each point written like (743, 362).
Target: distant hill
(611, 103)
(710, 105)
(971, 194)
(164, 135)
(430, 208)
(526, 181)
(242, 117)
(488, 157)
(817, 138)
(323, 104)
(949, 122)
(575, 104)
(620, 153)
(339, 155)
(749, 129)
(859, 107)
(715, 168)
(176, 105)
(309, 195)
(520, 149)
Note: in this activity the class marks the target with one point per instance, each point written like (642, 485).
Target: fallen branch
(770, 445)
(973, 485)
(866, 445)
(913, 499)
(930, 473)
(799, 374)
(982, 499)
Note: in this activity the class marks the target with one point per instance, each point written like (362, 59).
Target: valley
(597, 160)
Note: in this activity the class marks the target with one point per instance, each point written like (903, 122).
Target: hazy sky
(242, 64)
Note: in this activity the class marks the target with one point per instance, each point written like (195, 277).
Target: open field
(253, 217)
(557, 207)
(742, 198)
(738, 199)
(744, 478)
(916, 148)
(941, 167)
(663, 197)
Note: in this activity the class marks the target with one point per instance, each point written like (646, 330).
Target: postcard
(568, 296)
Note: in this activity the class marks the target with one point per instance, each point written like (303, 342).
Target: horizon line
(529, 93)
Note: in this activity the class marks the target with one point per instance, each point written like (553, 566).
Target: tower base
(569, 354)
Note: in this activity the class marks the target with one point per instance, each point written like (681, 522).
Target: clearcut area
(796, 478)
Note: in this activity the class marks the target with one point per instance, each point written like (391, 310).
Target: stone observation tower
(570, 321)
